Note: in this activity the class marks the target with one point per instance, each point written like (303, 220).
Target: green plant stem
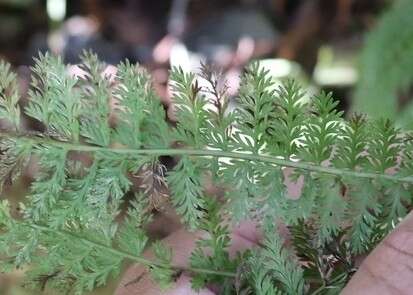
(324, 286)
(215, 153)
(124, 254)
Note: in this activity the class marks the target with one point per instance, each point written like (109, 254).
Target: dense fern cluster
(100, 132)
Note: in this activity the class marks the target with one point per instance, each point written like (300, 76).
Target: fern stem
(132, 257)
(216, 153)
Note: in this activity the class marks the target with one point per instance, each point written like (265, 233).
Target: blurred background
(360, 49)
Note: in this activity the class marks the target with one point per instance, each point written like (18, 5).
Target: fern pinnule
(187, 196)
(281, 265)
(322, 129)
(96, 101)
(54, 99)
(290, 118)
(190, 107)
(351, 150)
(9, 96)
(255, 108)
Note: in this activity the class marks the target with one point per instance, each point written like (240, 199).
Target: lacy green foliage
(329, 265)
(287, 127)
(78, 257)
(9, 96)
(53, 100)
(262, 282)
(100, 132)
(163, 271)
(256, 100)
(141, 120)
(13, 158)
(190, 107)
(218, 260)
(96, 94)
(185, 185)
(322, 129)
(385, 74)
(281, 265)
(351, 146)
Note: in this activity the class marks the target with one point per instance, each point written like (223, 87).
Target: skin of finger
(244, 235)
(389, 267)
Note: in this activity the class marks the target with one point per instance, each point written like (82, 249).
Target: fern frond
(162, 272)
(190, 107)
(241, 177)
(96, 101)
(54, 99)
(9, 96)
(221, 119)
(363, 211)
(305, 206)
(132, 93)
(130, 237)
(331, 209)
(281, 265)
(50, 183)
(262, 281)
(13, 158)
(384, 146)
(216, 245)
(352, 144)
(290, 119)
(397, 200)
(357, 178)
(273, 192)
(187, 196)
(322, 130)
(82, 258)
(255, 110)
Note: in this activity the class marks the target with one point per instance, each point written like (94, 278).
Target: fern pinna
(67, 234)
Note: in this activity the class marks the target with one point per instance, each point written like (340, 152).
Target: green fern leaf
(96, 101)
(281, 265)
(187, 196)
(9, 96)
